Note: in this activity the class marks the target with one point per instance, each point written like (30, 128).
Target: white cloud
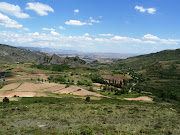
(76, 11)
(126, 39)
(54, 33)
(86, 34)
(13, 10)
(51, 29)
(106, 35)
(151, 10)
(76, 42)
(6, 22)
(62, 28)
(159, 40)
(39, 8)
(169, 41)
(33, 34)
(150, 42)
(76, 23)
(93, 21)
(26, 29)
(142, 9)
(150, 37)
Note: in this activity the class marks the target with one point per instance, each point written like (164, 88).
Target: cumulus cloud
(26, 29)
(51, 29)
(151, 10)
(86, 34)
(54, 33)
(93, 21)
(159, 40)
(142, 9)
(61, 27)
(6, 22)
(150, 37)
(39, 8)
(76, 23)
(56, 40)
(126, 39)
(33, 34)
(13, 10)
(76, 11)
(106, 35)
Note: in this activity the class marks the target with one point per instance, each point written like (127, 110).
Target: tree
(125, 82)
(6, 100)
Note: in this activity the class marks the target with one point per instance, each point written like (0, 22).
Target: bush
(6, 100)
(91, 89)
(67, 85)
(88, 99)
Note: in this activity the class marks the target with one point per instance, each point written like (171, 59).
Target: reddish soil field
(117, 78)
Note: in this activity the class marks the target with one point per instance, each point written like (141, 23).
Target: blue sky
(118, 26)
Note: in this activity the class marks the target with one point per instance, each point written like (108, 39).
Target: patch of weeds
(2, 123)
(147, 131)
(86, 131)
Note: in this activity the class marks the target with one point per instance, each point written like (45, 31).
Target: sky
(109, 26)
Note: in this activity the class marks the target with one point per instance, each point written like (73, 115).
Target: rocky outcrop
(47, 60)
(57, 60)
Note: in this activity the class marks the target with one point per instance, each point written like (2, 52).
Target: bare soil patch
(144, 98)
(20, 94)
(28, 87)
(75, 90)
(97, 84)
(83, 92)
(56, 88)
(10, 86)
(68, 90)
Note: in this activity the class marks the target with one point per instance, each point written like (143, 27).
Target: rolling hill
(160, 72)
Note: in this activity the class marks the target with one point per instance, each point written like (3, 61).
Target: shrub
(67, 85)
(6, 100)
(91, 89)
(88, 99)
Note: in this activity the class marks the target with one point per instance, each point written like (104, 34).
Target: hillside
(141, 61)
(160, 72)
(14, 54)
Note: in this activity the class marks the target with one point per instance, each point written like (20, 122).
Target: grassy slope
(75, 116)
